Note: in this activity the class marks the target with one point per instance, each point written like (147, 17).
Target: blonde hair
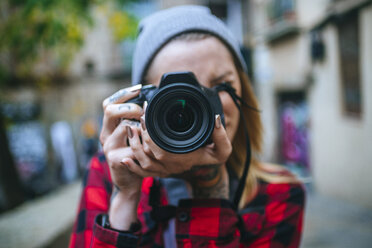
(267, 172)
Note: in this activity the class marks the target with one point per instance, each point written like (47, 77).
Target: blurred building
(311, 70)
(102, 55)
(341, 103)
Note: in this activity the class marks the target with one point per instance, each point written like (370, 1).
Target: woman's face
(212, 64)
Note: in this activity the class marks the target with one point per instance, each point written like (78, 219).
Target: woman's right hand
(118, 116)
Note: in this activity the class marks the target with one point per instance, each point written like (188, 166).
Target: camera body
(180, 114)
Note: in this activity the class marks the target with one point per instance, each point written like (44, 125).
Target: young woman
(131, 197)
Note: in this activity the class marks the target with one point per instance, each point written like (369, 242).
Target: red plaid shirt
(272, 219)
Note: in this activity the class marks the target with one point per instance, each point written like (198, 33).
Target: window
(280, 10)
(348, 37)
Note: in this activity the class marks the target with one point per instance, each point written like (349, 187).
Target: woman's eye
(226, 82)
(219, 83)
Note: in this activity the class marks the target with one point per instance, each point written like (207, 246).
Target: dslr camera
(180, 114)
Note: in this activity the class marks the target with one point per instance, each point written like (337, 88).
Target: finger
(146, 162)
(124, 111)
(114, 157)
(220, 139)
(122, 95)
(132, 124)
(118, 138)
(221, 148)
(149, 146)
(113, 114)
(146, 140)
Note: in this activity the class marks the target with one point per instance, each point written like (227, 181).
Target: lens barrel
(180, 118)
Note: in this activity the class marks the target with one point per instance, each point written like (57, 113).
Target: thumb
(221, 149)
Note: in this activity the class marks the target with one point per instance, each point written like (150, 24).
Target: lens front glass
(180, 116)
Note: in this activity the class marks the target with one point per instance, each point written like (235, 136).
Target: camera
(180, 114)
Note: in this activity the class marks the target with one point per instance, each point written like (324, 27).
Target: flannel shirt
(272, 219)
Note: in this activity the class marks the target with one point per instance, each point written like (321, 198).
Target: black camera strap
(237, 99)
(162, 213)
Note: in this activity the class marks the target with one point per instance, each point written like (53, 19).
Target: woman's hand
(118, 116)
(117, 119)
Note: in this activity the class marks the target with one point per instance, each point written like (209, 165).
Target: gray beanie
(159, 28)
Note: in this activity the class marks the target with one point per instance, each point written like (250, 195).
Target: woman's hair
(257, 170)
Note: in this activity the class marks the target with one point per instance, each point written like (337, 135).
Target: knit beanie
(156, 30)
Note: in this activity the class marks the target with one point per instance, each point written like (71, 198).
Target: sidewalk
(333, 223)
(40, 222)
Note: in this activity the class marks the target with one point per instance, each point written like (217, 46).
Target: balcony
(282, 20)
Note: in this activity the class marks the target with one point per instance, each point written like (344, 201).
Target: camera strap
(237, 99)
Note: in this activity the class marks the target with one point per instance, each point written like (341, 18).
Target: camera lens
(180, 116)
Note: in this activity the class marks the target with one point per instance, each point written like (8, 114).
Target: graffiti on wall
(294, 134)
(28, 145)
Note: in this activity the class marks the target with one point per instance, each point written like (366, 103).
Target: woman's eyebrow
(219, 78)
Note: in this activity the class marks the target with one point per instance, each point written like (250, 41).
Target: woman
(125, 204)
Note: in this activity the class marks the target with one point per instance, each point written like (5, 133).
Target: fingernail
(135, 88)
(142, 120)
(129, 132)
(218, 121)
(123, 163)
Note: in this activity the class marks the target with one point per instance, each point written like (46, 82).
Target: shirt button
(183, 217)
